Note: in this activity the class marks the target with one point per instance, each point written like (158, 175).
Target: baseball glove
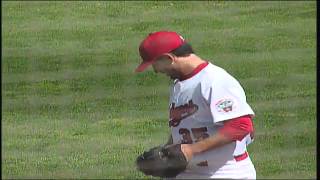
(162, 161)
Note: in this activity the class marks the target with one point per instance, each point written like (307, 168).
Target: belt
(241, 156)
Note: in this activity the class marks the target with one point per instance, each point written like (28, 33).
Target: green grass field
(72, 106)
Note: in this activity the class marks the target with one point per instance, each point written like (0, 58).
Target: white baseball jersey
(198, 105)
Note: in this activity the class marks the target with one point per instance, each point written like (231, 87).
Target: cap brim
(143, 66)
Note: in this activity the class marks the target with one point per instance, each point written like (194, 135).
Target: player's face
(164, 65)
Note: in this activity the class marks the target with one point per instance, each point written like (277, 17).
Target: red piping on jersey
(195, 71)
(238, 128)
(241, 157)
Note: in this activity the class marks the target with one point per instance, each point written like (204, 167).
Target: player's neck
(189, 64)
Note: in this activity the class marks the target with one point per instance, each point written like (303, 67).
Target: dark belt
(241, 156)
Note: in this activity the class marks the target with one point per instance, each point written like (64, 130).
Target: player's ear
(170, 57)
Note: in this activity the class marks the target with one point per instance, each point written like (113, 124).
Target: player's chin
(168, 75)
(172, 77)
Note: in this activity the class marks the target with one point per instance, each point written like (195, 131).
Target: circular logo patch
(224, 105)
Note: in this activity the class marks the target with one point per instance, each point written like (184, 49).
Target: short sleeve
(226, 99)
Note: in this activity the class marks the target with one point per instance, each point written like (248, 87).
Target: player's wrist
(187, 151)
(195, 149)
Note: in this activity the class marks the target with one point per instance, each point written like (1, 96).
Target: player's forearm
(210, 143)
(235, 129)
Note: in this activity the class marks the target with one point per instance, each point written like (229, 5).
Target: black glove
(162, 161)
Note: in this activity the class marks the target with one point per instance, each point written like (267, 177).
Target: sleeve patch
(225, 105)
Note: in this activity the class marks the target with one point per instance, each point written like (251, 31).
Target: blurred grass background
(72, 106)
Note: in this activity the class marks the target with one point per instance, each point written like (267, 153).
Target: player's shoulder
(215, 73)
(217, 76)
(213, 69)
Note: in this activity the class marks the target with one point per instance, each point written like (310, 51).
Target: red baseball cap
(157, 44)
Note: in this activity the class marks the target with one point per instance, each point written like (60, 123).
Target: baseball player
(210, 118)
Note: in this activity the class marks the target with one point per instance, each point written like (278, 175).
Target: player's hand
(187, 151)
(162, 161)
